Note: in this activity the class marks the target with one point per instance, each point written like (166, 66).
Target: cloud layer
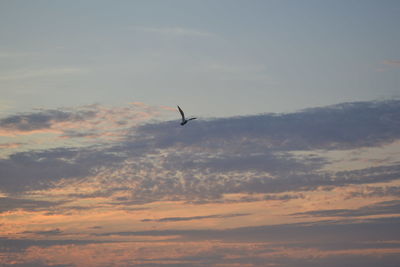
(210, 158)
(319, 187)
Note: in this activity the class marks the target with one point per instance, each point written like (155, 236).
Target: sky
(293, 160)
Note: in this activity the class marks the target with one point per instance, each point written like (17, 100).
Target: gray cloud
(381, 208)
(39, 169)
(177, 219)
(95, 227)
(283, 197)
(43, 119)
(270, 162)
(367, 230)
(272, 244)
(272, 256)
(197, 186)
(324, 236)
(376, 191)
(312, 180)
(8, 204)
(26, 171)
(357, 260)
(343, 126)
(47, 232)
(213, 157)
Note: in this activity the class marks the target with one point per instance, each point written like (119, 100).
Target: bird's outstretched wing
(191, 119)
(182, 114)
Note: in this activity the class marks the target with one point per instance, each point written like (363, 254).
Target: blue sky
(294, 159)
(220, 58)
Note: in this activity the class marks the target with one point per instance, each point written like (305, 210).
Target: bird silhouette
(184, 120)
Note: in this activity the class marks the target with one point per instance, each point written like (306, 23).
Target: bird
(184, 120)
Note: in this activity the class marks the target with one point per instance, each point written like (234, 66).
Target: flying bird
(184, 120)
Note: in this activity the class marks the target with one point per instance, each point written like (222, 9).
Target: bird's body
(184, 120)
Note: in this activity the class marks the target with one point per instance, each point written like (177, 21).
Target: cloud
(43, 120)
(9, 204)
(305, 232)
(211, 158)
(202, 186)
(96, 123)
(342, 126)
(40, 169)
(284, 197)
(178, 219)
(287, 244)
(95, 227)
(20, 245)
(326, 243)
(381, 208)
(275, 256)
(377, 191)
(46, 233)
(36, 264)
(211, 254)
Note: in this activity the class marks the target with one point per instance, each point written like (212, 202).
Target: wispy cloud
(375, 191)
(178, 219)
(9, 204)
(293, 232)
(381, 208)
(45, 232)
(20, 245)
(185, 254)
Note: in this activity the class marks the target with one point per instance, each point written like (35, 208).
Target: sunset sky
(294, 159)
